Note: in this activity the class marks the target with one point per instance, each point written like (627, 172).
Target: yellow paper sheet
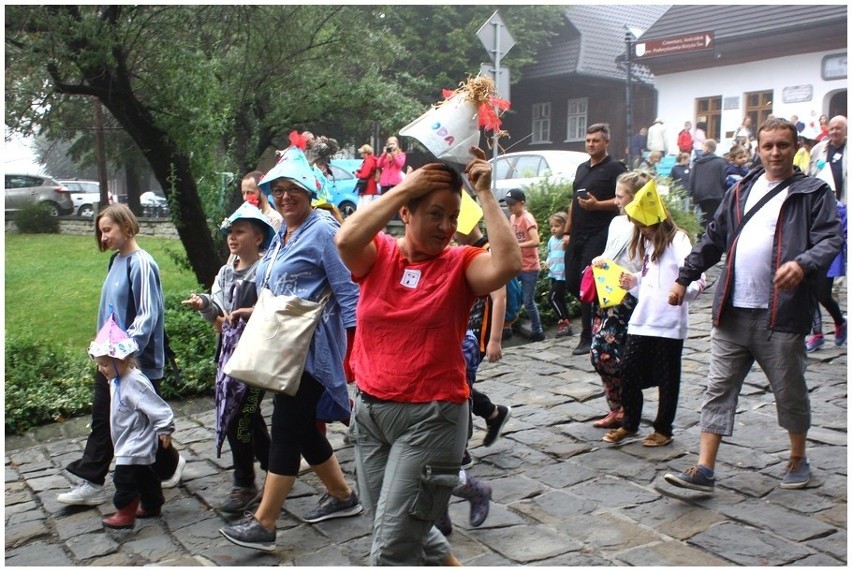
(606, 282)
(469, 215)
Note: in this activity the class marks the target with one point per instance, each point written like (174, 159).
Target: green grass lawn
(53, 283)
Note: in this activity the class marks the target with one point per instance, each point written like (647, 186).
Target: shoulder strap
(760, 203)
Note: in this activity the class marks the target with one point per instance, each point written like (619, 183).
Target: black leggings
(294, 429)
(824, 286)
(137, 481)
(249, 439)
(556, 298)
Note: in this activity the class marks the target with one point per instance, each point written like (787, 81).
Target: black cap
(515, 195)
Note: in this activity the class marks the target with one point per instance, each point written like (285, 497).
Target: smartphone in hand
(581, 193)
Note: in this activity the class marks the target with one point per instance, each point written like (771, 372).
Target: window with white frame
(577, 119)
(541, 123)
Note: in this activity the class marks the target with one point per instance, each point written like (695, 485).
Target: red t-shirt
(521, 226)
(411, 321)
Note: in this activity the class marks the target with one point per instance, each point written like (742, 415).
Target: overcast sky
(17, 157)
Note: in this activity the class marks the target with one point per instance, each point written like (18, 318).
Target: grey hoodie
(137, 417)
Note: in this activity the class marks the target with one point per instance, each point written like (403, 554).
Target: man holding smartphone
(589, 214)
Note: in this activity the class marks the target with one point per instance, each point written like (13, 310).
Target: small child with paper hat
(656, 331)
(238, 414)
(138, 417)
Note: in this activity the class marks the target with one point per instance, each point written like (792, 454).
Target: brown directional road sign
(672, 45)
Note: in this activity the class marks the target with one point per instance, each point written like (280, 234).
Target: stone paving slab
(561, 496)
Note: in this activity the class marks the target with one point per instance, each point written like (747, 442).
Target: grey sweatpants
(407, 458)
(735, 345)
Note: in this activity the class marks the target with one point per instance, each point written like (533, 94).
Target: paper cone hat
(607, 284)
(292, 165)
(248, 211)
(447, 130)
(647, 207)
(112, 341)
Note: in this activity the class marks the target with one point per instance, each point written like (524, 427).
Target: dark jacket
(707, 178)
(808, 231)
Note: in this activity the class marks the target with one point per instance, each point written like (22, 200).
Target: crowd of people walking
(404, 323)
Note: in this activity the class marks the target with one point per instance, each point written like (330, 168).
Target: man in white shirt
(763, 306)
(657, 137)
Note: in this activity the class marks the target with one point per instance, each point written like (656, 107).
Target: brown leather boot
(124, 518)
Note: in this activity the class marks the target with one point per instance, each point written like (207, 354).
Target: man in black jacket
(763, 305)
(707, 181)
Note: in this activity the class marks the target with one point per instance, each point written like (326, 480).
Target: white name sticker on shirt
(410, 278)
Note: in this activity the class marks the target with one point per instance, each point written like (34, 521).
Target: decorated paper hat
(451, 127)
(112, 341)
(293, 165)
(647, 206)
(248, 211)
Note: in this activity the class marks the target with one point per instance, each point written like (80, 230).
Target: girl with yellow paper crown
(609, 324)
(656, 330)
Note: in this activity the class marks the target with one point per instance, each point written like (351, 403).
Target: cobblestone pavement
(562, 497)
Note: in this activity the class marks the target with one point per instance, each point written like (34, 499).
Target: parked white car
(85, 194)
(525, 168)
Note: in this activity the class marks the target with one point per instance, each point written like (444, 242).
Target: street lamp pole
(628, 39)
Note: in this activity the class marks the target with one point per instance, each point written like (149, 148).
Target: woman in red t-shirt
(411, 411)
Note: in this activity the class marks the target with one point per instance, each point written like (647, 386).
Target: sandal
(656, 439)
(617, 435)
(612, 420)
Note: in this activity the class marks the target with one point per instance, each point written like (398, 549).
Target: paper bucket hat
(248, 211)
(647, 206)
(447, 130)
(112, 341)
(292, 165)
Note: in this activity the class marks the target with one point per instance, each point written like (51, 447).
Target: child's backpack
(514, 301)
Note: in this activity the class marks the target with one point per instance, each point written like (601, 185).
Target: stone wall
(149, 227)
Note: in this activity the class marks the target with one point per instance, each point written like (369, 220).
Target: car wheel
(53, 208)
(346, 208)
(86, 211)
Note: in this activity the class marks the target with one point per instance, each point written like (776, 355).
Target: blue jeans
(528, 279)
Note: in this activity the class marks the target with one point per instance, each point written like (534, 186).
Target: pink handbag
(588, 291)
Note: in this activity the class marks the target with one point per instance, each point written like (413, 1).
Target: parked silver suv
(24, 188)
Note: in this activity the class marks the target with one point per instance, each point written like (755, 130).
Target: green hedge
(45, 384)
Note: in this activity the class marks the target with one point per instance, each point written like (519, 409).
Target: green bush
(35, 218)
(46, 383)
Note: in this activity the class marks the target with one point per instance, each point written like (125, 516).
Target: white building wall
(677, 92)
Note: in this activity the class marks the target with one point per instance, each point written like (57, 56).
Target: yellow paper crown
(647, 207)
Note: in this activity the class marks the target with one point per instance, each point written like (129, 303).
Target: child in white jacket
(138, 418)
(656, 331)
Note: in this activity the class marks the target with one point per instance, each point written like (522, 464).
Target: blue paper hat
(293, 165)
(248, 211)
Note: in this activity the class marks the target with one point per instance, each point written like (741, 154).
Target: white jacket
(653, 316)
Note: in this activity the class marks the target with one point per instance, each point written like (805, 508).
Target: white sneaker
(175, 479)
(84, 494)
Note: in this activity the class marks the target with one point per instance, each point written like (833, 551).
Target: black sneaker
(540, 336)
(330, 507)
(250, 533)
(496, 426)
(467, 460)
(240, 499)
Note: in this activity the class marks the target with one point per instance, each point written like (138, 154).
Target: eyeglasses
(280, 190)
